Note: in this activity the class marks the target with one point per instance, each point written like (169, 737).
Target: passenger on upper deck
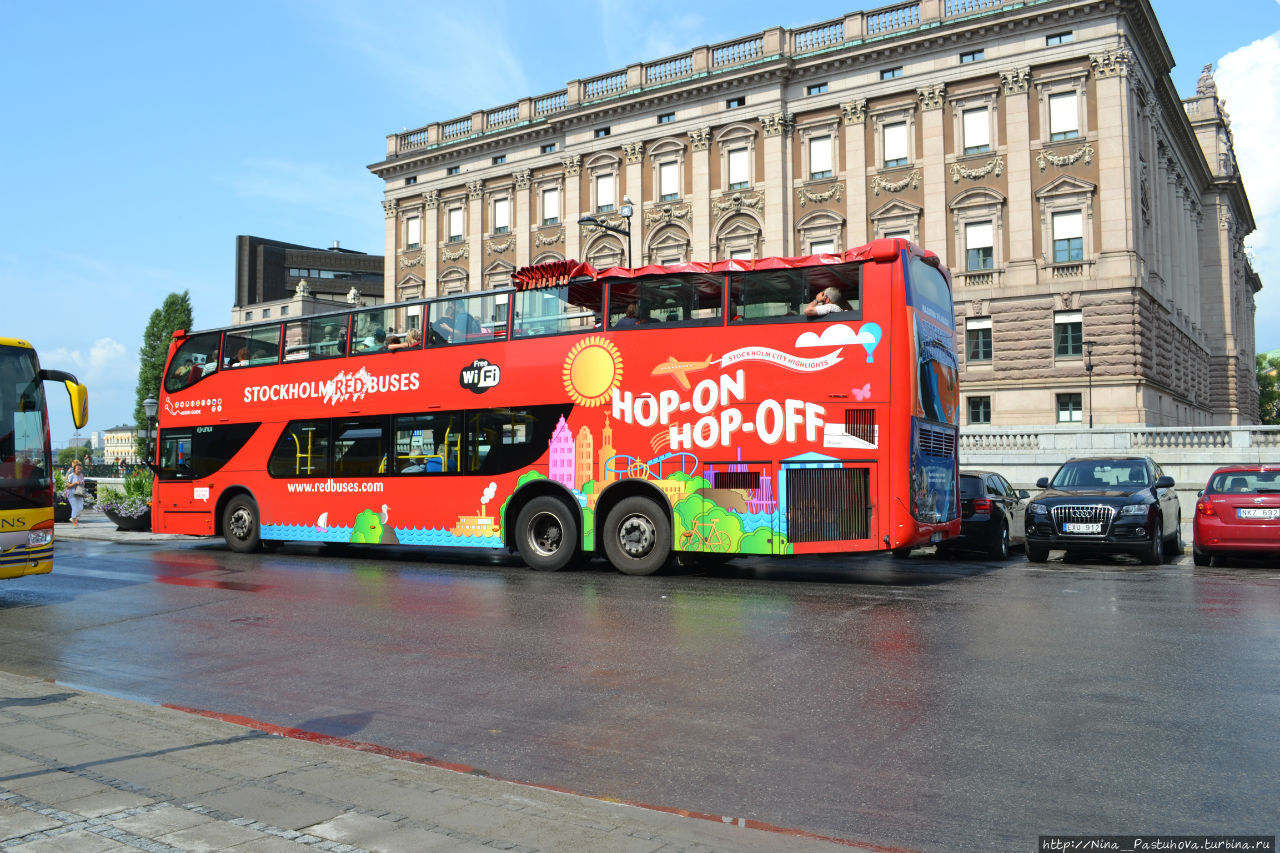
(828, 301)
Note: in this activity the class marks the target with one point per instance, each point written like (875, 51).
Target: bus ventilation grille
(861, 424)
(937, 442)
(736, 480)
(828, 503)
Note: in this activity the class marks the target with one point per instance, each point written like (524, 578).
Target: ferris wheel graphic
(657, 468)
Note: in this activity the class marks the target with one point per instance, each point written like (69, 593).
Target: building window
(977, 339)
(1064, 117)
(1068, 237)
(739, 177)
(284, 310)
(500, 159)
(411, 180)
(822, 247)
(895, 144)
(979, 410)
(977, 131)
(979, 246)
(740, 254)
(973, 56)
(452, 170)
(412, 232)
(551, 206)
(891, 73)
(816, 89)
(1069, 408)
(455, 225)
(248, 315)
(668, 181)
(666, 118)
(604, 193)
(734, 103)
(601, 132)
(1057, 38)
(1068, 334)
(266, 312)
(549, 148)
(501, 215)
(820, 165)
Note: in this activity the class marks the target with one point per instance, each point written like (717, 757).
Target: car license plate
(1077, 527)
(1258, 512)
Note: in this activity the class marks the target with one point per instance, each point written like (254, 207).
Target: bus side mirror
(79, 403)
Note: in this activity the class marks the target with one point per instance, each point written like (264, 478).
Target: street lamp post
(1088, 369)
(149, 407)
(625, 212)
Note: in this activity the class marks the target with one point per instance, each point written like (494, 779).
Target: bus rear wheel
(637, 536)
(546, 534)
(240, 525)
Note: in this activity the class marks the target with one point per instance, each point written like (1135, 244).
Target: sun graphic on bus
(592, 370)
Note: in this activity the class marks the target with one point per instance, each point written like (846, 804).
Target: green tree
(1269, 389)
(174, 314)
(67, 454)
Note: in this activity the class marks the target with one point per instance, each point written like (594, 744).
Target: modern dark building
(275, 279)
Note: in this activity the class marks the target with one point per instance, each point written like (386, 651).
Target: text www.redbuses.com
(328, 486)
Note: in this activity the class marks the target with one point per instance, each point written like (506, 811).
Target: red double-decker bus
(776, 406)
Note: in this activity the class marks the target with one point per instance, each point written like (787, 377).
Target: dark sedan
(991, 515)
(1121, 504)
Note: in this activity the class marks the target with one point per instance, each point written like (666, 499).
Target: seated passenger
(828, 301)
(409, 341)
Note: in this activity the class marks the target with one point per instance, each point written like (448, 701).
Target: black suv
(1114, 504)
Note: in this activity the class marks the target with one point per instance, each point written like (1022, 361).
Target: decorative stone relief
(1084, 152)
(700, 138)
(475, 189)
(835, 191)
(431, 198)
(447, 256)
(736, 202)
(633, 151)
(1016, 80)
(302, 289)
(388, 209)
(615, 221)
(995, 166)
(1113, 63)
(407, 261)
(495, 248)
(911, 179)
(778, 123)
(932, 97)
(549, 239)
(666, 214)
(522, 178)
(854, 112)
(572, 164)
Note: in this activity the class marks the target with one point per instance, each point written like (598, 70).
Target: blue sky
(142, 137)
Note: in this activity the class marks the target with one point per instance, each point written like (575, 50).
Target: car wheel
(1036, 554)
(637, 536)
(1201, 558)
(240, 525)
(1174, 546)
(546, 534)
(1154, 554)
(998, 549)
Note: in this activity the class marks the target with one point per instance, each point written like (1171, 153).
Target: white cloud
(1248, 80)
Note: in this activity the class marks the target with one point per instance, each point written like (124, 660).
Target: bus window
(781, 294)
(927, 290)
(195, 359)
(691, 299)
(302, 451)
(359, 447)
(504, 440)
(187, 453)
(315, 338)
(252, 346)
(557, 310)
(428, 443)
(469, 319)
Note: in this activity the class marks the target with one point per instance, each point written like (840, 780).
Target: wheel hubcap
(545, 534)
(637, 536)
(241, 523)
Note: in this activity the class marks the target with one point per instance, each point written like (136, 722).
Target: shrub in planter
(130, 506)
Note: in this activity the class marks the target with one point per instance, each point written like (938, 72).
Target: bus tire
(240, 525)
(546, 534)
(637, 536)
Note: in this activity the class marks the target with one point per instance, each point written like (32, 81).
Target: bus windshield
(25, 470)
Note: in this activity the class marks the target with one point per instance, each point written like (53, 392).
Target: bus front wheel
(240, 525)
(546, 534)
(637, 536)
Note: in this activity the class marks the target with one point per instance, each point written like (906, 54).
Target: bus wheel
(637, 537)
(546, 534)
(240, 525)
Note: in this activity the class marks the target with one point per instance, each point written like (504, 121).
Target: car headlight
(36, 538)
(1133, 509)
(1038, 509)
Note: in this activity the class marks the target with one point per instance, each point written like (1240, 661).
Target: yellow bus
(26, 463)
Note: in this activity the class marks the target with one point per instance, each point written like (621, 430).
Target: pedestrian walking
(75, 492)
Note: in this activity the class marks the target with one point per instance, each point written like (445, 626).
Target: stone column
(1115, 179)
(390, 275)
(934, 170)
(572, 204)
(431, 242)
(633, 186)
(475, 235)
(1023, 219)
(778, 227)
(700, 170)
(522, 223)
(855, 170)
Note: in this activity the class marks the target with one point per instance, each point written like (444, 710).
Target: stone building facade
(1092, 220)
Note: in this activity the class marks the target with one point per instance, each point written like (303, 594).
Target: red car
(1238, 513)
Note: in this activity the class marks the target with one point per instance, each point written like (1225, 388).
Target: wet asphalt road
(925, 704)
